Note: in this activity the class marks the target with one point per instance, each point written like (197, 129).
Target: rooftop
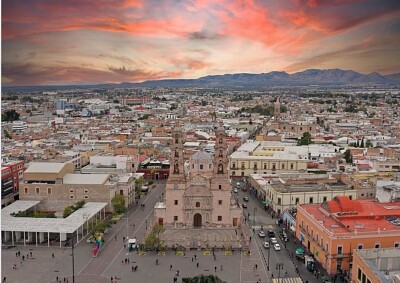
(351, 217)
(85, 179)
(44, 167)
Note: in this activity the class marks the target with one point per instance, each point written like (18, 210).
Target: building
(376, 266)
(267, 158)
(198, 206)
(56, 186)
(109, 164)
(19, 126)
(285, 191)
(333, 229)
(11, 177)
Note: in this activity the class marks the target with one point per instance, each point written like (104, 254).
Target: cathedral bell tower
(277, 109)
(176, 170)
(220, 177)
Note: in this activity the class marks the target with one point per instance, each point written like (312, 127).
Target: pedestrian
(192, 259)
(197, 264)
(23, 258)
(256, 266)
(112, 279)
(250, 238)
(115, 237)
(215, 268)
(4, 279)
(175, 279)
(30, 254)
(177, 273)
(195, 257)
(57, 279)
(64, 279)
(128, 260)
(16, 254)
(52, 255)
(170, 267)
(272, 275)
(156, 261)
(133, 268)
(286, 273)
(221, 267)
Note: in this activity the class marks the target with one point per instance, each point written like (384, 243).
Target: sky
(57, 42)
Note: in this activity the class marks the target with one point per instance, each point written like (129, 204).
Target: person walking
(215, 269)
(52, 255)
(195, 257)
(112, 279)
(197, 264)
(156, 261)
(221, 267)
(170, 267)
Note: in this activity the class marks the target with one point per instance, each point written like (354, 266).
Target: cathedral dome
(201, 162)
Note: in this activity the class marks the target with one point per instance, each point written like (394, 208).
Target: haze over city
(84, 42)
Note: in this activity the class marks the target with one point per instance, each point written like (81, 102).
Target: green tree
(305, 139)
(362, 143)
(203, 279)
(7, 134)
(152, 240)
(368, 144)
(10, 115)
(138, 185)
(347, 155)
(67, 211)
(118, 203)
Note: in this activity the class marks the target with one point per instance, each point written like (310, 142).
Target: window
(86, 197)
(324, 199)
(279, 201)
(311, 200)
(26, 190)
(291, 165)
(71, 191)
(396, 245)
(359, 274)
(175, 218)
(297, 200)
(37, 190)
(219, 187)
(71, 197)
(377, 245)
(121, 192)
(283, 166)
(201, 166)
(339, 250)
(350, 197)
(273, 167)
(265, 166)
(192, 166)
(176, 202)
(360, 246)
(220, 202)
(198, 204)
(86, 191)
(209, 166)
(219, 218)
(49, 191)
(233, 165)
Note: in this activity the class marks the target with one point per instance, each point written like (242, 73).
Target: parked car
(277, 247)
(246, 198)
(271, 233)
(235, 190)
(273, 240)
(244, 205)
(266, 245)
(261, 234)
(244, 189)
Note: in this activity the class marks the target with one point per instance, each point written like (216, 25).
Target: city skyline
(84, 42)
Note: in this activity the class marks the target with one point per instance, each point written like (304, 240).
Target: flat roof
(85, 179)
(52, 225)
(45, 167)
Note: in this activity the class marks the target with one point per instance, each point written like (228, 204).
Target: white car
(277, 247)
(273, 240)
(261, 234)
(266, 245)
(235, 190)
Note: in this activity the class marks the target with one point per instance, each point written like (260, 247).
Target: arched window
(220, 168)
(197, 204)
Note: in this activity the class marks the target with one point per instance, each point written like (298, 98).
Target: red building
(154, 169)
(11, 177)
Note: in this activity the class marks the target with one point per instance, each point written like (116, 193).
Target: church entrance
(197, 220)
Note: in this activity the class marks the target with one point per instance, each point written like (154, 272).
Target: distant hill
(329, 77)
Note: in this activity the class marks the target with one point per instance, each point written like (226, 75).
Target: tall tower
(277, 109)
(220, 179)
(176, 170)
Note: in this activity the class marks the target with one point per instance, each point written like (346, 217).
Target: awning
(299, 251)
(267, 201)
(293, 229)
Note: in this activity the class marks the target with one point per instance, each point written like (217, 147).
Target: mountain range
(328, 77)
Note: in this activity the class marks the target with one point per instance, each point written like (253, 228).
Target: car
(244, 189)
(244, 205)
(271, 233)
(238, 185)
(246, 198)
(277, 247)
(266, 245)
(235, 190)
(273, 240)
(261, 234)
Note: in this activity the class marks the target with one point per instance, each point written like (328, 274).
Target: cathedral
(198, 209)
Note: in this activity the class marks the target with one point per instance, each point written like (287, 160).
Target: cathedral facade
(198, 193)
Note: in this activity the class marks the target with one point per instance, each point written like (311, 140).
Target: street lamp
(279, 266)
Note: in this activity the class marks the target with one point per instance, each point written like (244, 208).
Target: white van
(132, 244)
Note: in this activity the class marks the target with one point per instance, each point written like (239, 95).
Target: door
(197, 220)
(161, 221)
(234, 222)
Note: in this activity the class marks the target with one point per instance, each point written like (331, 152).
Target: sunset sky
(97, 41)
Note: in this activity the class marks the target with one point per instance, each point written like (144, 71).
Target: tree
(362, 143)
(7, 134)
(10, 115)
(118, 203)
(347, 155)
(153, 241)
(67, 211)
(138, 185)
(203, 279)
(305, 139)
(368, 144)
